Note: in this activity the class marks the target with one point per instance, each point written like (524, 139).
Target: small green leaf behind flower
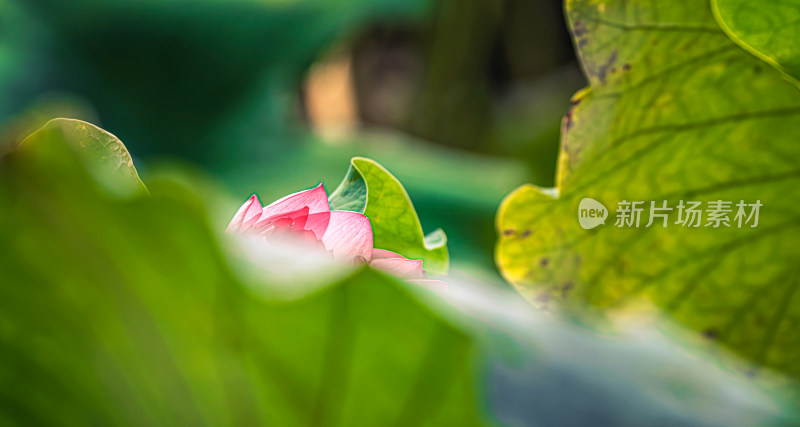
(369, 188)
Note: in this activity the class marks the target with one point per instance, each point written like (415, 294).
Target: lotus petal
(246, 216)
(400, 267)
(316, 199)
(349, 236)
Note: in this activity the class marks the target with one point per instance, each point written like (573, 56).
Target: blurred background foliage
(270, 96)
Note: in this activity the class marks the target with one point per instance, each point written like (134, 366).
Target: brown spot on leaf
(579, 29)
(509, 232)
(602, 71)
(525, 233)
(566, 124)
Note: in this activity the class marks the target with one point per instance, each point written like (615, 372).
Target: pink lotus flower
(307, 216)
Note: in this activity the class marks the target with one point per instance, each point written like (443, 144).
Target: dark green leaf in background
(191, 74)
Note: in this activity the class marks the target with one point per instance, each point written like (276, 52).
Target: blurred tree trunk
(454, 104)
(444, 80)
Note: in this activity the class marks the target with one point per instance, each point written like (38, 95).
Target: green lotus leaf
(675, 111)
